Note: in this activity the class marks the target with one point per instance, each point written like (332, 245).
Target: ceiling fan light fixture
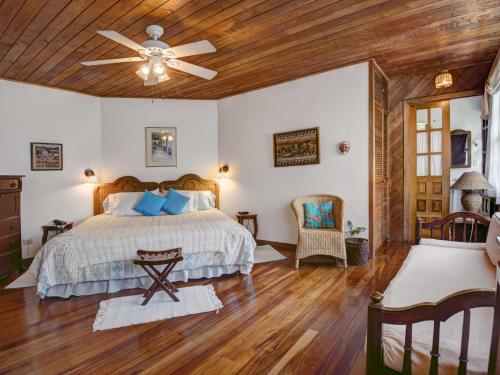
(163, 77)
(145, 70)
(158, 69)
(141, 74)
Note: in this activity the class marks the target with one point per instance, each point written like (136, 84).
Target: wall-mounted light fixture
(344, 147)
(91, 177)
(223, 171)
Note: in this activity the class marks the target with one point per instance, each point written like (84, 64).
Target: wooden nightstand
(47, 229)
(244, 219)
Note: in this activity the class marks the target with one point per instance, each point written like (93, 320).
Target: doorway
(429, 165)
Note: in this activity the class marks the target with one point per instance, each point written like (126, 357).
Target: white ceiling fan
(157, 55)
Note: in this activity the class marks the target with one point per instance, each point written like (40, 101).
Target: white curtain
(491, 111)
(493, 147)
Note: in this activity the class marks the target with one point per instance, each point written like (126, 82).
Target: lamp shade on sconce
(223, 171)
(91, 177)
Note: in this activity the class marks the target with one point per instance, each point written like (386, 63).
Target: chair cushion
(175, 202)
(319, 215)
(150, 204)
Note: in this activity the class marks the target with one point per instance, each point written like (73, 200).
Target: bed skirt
(111, 286)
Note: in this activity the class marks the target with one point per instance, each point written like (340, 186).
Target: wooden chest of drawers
(10, 224)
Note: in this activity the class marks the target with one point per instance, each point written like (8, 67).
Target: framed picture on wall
(161, 147)
(46, 156)
(298, 147)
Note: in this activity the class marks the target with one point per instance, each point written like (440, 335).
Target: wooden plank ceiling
(259, 42)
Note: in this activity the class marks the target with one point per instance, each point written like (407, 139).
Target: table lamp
(470, 181)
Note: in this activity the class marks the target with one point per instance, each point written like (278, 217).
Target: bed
(97, 255)
(441, 313)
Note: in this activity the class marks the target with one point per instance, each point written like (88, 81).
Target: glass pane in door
(422, 143)
(436, 141)
(422, 119)
(422, 163)
(436, 165)
(436, 118)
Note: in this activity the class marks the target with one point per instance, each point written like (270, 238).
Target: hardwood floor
(276, 320)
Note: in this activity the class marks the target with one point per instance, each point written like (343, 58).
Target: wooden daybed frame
(438, 312)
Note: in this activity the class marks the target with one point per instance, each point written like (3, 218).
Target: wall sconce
(91, 177)
(344, 147)
(223, 171)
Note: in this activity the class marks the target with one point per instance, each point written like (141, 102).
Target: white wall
(337, 102)
(36, 114)
(107, 135)
(464, 115)
(123, 138)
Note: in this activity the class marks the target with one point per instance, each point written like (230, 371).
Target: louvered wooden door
(379, 175)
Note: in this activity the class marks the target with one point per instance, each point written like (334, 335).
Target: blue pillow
(174, 202)
(150, 204)
(318, 215)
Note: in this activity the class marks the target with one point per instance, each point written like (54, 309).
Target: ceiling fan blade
(113, 61)
(195, 70)
(123, 40)
(196, 48)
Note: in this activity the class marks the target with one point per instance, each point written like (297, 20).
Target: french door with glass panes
(431, 124)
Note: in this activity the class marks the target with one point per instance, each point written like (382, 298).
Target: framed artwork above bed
(161, 147)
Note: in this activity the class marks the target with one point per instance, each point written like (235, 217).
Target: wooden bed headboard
(121, 185)
(192, 182)
(131, 184)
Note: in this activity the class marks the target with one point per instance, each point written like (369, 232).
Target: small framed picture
(161, 147)
(297, 147)
(46, 156)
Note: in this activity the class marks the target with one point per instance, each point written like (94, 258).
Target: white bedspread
(207, 238)
(429, 274)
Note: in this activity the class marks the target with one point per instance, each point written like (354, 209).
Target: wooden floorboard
(310, 321)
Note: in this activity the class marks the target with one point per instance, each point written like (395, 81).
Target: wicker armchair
(320, 241)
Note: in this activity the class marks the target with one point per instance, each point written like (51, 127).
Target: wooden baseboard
(282, 245)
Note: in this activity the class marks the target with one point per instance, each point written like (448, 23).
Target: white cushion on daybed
(454, 244)
(492, 247)
(429, 274)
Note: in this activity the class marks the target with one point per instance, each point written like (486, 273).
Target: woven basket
(358, 251)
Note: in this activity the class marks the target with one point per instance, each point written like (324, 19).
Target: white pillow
(200, 199)
(492, 247)
(206, 200)
(122, 204)
(456, 244)
(191, 204)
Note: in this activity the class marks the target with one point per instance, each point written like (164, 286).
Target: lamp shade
(471, 181)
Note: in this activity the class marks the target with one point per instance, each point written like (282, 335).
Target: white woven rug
(126, 311)
(266, 253)
(26, 280)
